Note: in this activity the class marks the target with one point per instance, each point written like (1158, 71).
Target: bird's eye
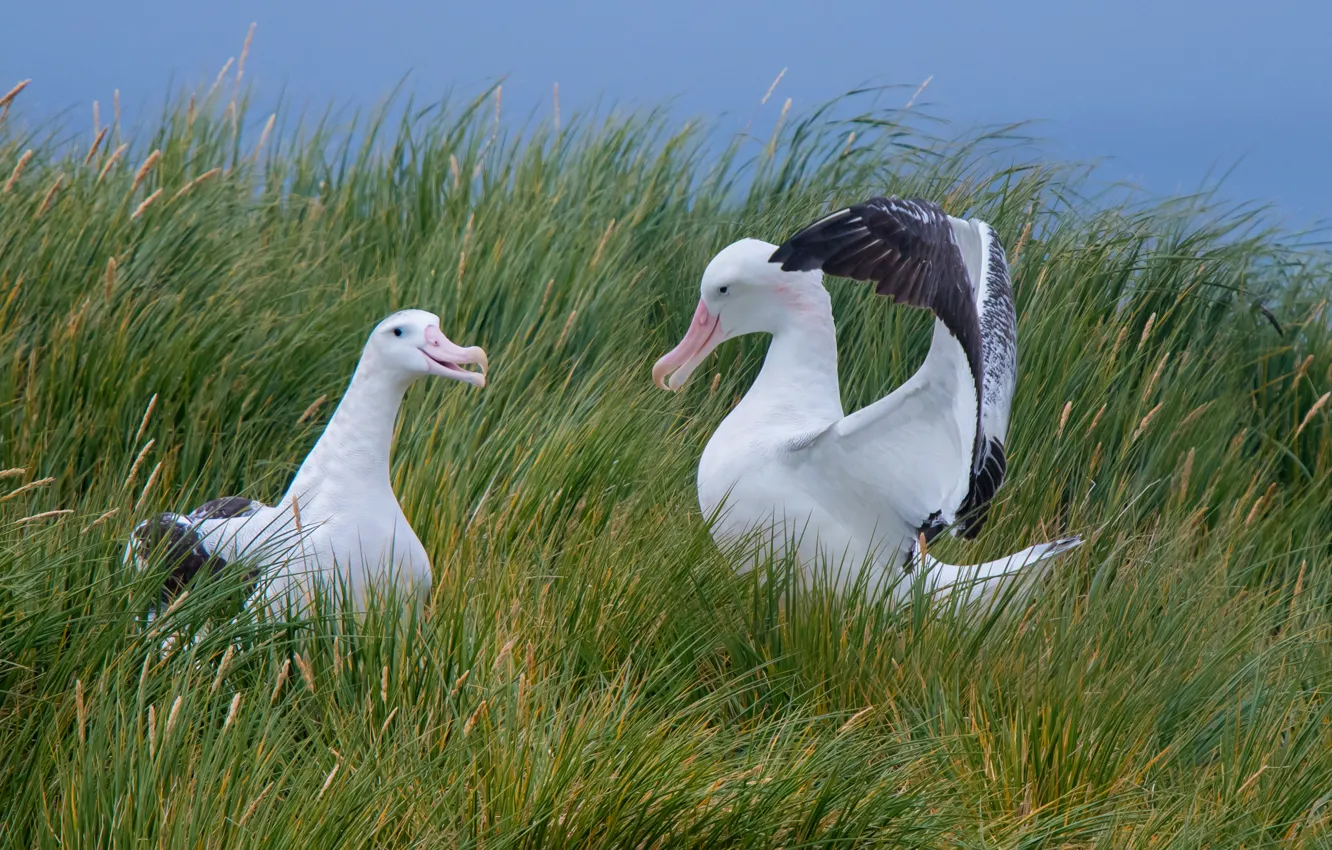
(723, 290)
(397, 331)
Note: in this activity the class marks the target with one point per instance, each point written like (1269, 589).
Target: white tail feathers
(978, 581)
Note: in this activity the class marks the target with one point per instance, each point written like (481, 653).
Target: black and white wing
(922, 449)
(986, 264)
(175, 541)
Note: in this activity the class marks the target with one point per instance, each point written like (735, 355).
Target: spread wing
(920, 450)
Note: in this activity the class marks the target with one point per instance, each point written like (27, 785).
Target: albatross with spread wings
(871, 487)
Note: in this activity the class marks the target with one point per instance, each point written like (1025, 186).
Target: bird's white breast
(760, 498)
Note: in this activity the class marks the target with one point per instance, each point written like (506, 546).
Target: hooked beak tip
(451, 358)
(478, 356)
(660, 373)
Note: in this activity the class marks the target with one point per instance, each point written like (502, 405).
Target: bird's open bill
(448, 359)
(679, 363)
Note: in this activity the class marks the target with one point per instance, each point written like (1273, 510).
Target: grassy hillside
(180, 312)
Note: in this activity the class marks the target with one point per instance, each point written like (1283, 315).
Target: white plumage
(339, 522)
(865, 488)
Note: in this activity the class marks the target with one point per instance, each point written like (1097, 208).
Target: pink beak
(704, 335)
(447, 359)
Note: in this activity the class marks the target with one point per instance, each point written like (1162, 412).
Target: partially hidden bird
(339, 521)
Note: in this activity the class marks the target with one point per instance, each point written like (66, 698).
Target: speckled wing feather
(998, 326)
(176, 541)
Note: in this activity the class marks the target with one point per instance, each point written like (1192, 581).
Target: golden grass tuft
(1096, 420)
(188, 187)
(1313, 411)
(101, 518)
(1193, 416)
(307, 674)
(145, 169)
(1185, 472)
(912, 102)
(855, 719)
(263, 136)
(474, 717)
(147, 202)
(147, 487)
(152, 402)
(772, 88)
(221, 75)
(44, 515)
(1146, 331)
(49, 198)
(111, 162)
(96, 145)
(172, 716)
(601, 246)
(1146, 420)
(777, 129)
(80, 712)
(564, 332)
(222, 669)
(245, 52)
(312, 409)
(1156, 375)
(232, 711)
(26, 488)
(281, 680)
(109, 284)
(257, 800)
(8, 97)
(138, 460)
(1063, 418)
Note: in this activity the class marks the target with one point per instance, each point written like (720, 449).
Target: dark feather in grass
(1267, 314)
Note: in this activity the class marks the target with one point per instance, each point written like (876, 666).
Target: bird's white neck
(352, 455)
(798, 382)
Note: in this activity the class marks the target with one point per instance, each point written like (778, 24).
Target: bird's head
(742, 292)
(411, 343)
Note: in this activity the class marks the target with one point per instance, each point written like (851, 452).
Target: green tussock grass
(590, 671)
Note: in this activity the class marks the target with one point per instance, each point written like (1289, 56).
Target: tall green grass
(590, 670)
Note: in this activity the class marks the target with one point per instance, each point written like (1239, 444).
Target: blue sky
(1166, 91)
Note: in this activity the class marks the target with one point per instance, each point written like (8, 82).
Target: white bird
(340, 521)
(875, 487)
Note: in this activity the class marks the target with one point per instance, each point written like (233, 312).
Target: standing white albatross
(863, 489)
(339, 522)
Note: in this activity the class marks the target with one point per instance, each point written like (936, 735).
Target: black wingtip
(794, 258)
(799, 261)
(798, 253)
